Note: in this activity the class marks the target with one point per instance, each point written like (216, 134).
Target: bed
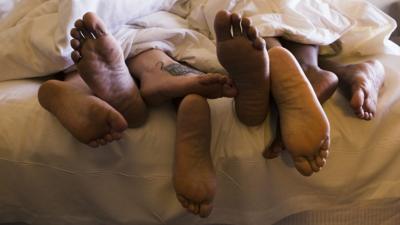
(46, 177)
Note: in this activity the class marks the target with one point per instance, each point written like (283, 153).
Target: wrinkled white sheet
(48, 178)
(34, 34)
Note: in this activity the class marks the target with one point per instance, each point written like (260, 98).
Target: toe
(196, 209)
(75, 44)
(109, 138)
(94, 144)
(324, 154)
(236, 24)
(205, 210)
(116, 121)
(357, 101)
(259, 43)
(314, 165)
(252, 33)
(222, 26)
(274, 150)
(370, 106)
(367, 116)
(372, 115)
(102, 141)
(116, 136)
(303, 166)
(320, 161)
(246, 24)
(229, 91)
(325, 144)
(223, 79)
(94, 24)
(76, 34)
(80, 27)
(184, 202)
(79, 24)
(360, 113)
(193, 208)
(210, 79)
(76, 56)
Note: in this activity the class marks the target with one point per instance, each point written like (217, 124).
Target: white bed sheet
(48, 178)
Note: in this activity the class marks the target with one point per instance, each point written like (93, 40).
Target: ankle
(306, 67)
(47, 93)
(148, 62)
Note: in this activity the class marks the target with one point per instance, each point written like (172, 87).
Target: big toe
(303, 166)
(94, 24)
(117, 122)
(357, 101)
(205, 210)
(222, 26)
(229, 91)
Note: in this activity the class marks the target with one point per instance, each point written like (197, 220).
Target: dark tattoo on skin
(177, 69)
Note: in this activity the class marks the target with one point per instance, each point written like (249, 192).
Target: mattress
(48, 177)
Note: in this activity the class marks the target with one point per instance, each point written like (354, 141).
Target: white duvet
(34, 34)
(48, 178)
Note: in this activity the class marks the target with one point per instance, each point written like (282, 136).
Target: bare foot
(88, 118)
(162, 79)
(243, 54)
(277, 147)
(363, 82)
(304, 125)
(100, 61)
(194, 175)
(324, 84)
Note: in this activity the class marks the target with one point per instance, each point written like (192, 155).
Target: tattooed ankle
(178, 69)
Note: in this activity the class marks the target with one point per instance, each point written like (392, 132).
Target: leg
(323, 82)
(243, 54)
(194, 175)
(361, 83)
(100, 62)
(304, 125)
(162, 79)
(88, 118)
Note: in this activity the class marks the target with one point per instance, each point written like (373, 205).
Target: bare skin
(88, 118)
(244, 56)
(361, 84)
(304, 126)
(194, 175)
(162, 79)
(324, 82)
(100, 62)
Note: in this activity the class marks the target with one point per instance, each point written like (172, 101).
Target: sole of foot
(244, 56)
(324, 84)
(305, 129)
(363, 82)
(194, 175)
(88, 118)
(101, 64)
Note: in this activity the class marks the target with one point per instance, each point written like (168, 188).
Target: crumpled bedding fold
(34, 34)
